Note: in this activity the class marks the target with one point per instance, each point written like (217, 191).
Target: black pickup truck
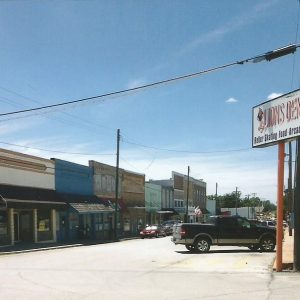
(224, 231)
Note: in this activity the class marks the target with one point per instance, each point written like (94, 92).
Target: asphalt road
(144, 269)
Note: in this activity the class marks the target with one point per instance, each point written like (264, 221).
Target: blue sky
(57, 51)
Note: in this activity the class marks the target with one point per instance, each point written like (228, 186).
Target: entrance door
(26, 226)
(85, 226)
(62, 227)
(16, 227)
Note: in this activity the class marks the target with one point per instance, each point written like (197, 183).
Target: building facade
(133, 195)
(153, 202)
(28, 201)
(87, 217)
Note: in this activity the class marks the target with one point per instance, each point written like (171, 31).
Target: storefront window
(74, 221)
(99, 222)
(43, 222)
(3, 223)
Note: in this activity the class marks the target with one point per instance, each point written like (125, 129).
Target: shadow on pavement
(32, 247)
(223, 251)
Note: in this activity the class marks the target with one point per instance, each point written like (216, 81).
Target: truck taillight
(182, 233)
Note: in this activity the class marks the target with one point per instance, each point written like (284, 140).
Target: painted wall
(133, 188)
(104, 180)
(73, 178)
(152, 197)
(25, 170)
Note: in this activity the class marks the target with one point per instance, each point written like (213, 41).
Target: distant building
(153, 202)
(131, 195)
(175, 193)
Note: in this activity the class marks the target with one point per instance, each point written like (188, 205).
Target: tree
(268, 206)
(230, 200)
(251, 202)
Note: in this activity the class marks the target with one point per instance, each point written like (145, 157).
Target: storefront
(28, 215)
(87, 218)
(4, 225)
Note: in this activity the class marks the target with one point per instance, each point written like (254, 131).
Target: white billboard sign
(276, 120)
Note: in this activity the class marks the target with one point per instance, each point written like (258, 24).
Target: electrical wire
(186, 151)
(257, 58)
(56, 151)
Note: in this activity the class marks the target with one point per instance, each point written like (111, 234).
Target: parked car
(168, 226)
(152, 231)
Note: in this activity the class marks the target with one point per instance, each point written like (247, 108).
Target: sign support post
(275, 122)
(280, 184)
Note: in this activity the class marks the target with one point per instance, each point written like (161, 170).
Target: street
(144, 269)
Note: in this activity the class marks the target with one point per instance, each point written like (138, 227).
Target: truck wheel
(190, 247)
(267, 243)
(202, 245)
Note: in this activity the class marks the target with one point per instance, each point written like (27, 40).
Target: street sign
(276, 120)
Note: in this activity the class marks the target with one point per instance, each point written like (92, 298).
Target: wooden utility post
(187, 196)
(117, 185)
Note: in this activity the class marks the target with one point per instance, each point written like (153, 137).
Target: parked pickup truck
(224, 231)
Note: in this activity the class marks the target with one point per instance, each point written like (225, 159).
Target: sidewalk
(32, 247)
(287, 252)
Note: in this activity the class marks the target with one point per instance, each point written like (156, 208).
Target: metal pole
(218, 207)
(117, 183)
(279, 231)
(290, 187)
(187, 196)
(236, 200)
(297, 211)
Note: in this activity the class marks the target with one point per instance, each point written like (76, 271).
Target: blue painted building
(87, 216)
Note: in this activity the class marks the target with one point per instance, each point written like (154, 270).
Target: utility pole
(187, 196)
(117, 184)
(218, 206)
(236, 200)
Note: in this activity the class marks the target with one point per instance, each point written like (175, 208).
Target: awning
(31, 204)
(85, 203)
(20, 197)
(90, 208)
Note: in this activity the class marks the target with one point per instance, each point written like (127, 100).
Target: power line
(54, 151)
(266, 56)
(186, 151)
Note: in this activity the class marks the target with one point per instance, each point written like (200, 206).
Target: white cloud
(232, 25)
(136, 83)
(274, 95)
(232, 100)
(242, 170)
(8, 127)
